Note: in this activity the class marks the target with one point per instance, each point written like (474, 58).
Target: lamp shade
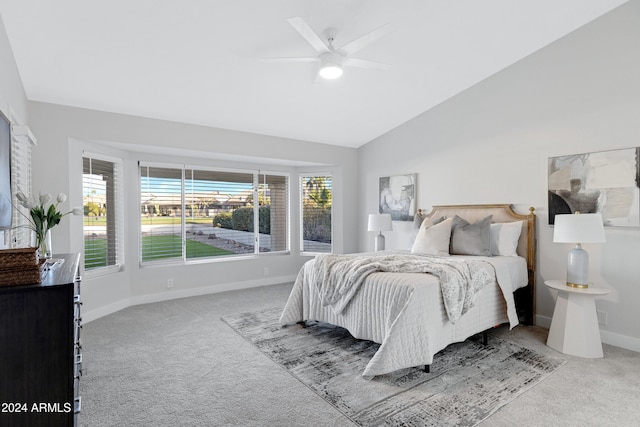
(379, 222)
(579, 228)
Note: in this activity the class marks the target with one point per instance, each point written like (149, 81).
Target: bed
(409, 313)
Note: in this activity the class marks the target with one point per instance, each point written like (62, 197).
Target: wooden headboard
(525, 297)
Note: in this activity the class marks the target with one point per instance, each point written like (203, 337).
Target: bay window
(190, 213)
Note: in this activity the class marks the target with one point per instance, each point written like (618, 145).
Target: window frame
(118, 212)
(168, 261)
(288, 218)
(301, 195)
(183, 259)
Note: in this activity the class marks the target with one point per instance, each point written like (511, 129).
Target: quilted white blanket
(404, 312)
(338, 277)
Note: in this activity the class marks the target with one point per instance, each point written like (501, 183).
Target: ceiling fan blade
(309, 35)
(363, 41)
(290, 59)
(361, 63)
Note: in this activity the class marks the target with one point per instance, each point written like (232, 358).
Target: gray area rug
(468, 381)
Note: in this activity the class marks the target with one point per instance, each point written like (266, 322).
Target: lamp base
(578, 268)
(575, 285)
(379, 242)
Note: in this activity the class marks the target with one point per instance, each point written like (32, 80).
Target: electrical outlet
(169, 283)
(602, 317)
(265, 271)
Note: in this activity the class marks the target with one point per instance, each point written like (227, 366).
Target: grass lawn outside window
(171, 244)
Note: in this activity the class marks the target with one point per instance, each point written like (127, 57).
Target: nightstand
(574, 326)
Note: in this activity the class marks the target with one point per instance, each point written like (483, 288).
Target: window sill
(103, 271)
(222, 258)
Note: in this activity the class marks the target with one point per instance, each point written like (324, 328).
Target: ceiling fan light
(330, 71)
(330, 65)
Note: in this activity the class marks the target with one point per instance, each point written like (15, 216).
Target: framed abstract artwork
(604, 182)
(398, 196)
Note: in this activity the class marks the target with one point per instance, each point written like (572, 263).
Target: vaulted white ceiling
(199, 61)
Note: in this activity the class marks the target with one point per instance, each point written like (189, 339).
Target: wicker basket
(23, 275)
(21, 257)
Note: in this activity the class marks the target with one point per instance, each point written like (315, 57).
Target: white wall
(11, 88)
(491, 143)
(63, 132)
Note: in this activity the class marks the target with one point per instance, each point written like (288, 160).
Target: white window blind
(219, 196)
(161, 208)
(196, 213)
(103, 213)
(316, 213)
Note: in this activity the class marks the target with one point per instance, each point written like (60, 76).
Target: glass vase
(44, 244)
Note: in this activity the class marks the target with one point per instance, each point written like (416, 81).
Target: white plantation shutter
(103, 212)
(20, 181)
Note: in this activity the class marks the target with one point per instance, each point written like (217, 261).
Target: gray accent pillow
(471, 239)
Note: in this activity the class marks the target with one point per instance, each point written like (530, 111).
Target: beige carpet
(176, 363)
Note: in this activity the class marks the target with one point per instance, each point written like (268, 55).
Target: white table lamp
(578, 228)
(379, 223)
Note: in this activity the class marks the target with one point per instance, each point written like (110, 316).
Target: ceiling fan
(332, 59)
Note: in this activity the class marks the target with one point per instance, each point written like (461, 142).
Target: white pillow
(504, 238)
(433, 240)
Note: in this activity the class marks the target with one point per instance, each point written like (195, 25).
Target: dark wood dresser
(40, 358)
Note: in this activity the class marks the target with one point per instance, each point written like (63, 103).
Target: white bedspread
(404, 312)
(338, 277)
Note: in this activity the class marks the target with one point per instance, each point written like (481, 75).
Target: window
(192, 213)
(273, 196)
(102, 212)
(219, 213)
(316, 198)
(161, 207)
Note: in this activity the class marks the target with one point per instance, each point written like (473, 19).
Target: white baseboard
(184, 293)
(543, 321)
(611, 338)
(622, 341)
